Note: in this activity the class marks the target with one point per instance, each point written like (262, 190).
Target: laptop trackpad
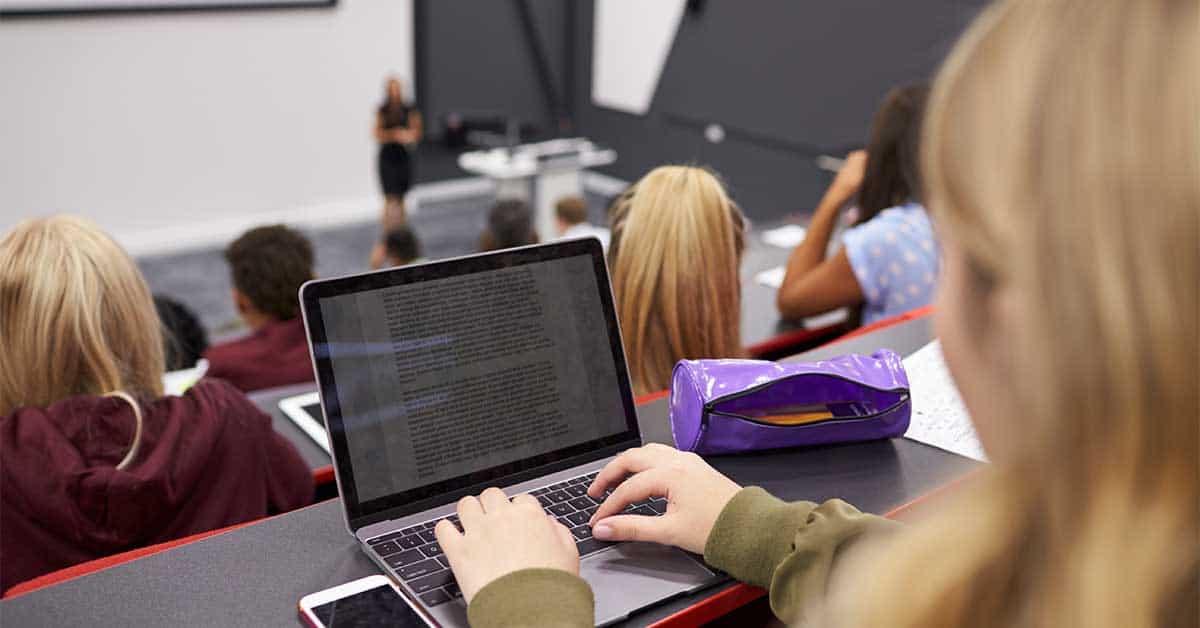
(630, 576)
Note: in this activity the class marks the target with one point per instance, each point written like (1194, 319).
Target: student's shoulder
(885, 219)
(885, 224)
(231, 346)
(905, 216)
(214, 399)
(235, 355)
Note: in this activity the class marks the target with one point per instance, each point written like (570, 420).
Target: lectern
(538, 174)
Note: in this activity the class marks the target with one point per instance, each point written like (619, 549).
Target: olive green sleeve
(790, 548)
(519, 599)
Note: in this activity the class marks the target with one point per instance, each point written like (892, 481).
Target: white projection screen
(17, 8)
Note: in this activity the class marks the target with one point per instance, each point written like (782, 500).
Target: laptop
(504, 369)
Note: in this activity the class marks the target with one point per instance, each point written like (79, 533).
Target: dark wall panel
(475, 57)
(787, 80)
(809, 73)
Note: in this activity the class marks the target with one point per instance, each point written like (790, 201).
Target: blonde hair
(1062, 155)
(677, 241)
(76, 317)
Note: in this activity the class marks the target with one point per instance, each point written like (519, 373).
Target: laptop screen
(463, 372)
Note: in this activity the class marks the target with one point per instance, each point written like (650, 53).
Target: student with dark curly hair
(267, 265)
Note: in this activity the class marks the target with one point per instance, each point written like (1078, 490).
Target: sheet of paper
(785, 237)
(828, 318)
(772, 277)
(939, 417)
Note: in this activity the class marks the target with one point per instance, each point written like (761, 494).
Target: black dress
(395, 164)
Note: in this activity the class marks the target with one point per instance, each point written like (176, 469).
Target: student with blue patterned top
(888, 262)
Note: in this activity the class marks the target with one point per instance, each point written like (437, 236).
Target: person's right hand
(695, 492)
(500, 537)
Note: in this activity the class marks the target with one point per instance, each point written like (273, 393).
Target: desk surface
(903, 338)
(760, 318)
(256, 574)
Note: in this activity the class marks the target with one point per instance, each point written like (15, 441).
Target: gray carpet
(200, 279)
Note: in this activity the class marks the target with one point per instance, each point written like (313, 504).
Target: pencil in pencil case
(733, 406)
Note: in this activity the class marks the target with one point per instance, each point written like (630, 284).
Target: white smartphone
(371, 601)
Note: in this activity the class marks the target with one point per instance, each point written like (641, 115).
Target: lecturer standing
(397, 129)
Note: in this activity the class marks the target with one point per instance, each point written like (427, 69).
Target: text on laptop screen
(447, 377)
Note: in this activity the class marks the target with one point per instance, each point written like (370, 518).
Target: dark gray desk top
(255, 575)
(760, 318)
(904, 338)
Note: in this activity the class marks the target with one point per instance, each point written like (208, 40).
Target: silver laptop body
(500, 369)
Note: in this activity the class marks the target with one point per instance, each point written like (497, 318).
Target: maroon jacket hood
(207, 459)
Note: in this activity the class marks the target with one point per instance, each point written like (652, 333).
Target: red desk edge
(786, 340)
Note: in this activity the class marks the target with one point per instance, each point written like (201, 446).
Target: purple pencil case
(734, 406)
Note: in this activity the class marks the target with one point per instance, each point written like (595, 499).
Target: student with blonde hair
(94, 460)
(676, 245)
(1062, 172)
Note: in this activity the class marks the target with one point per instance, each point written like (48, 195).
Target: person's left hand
(501, 536)
(850, 177)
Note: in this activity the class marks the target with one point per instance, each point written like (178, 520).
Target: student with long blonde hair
(94, 460)
(677, 242)
(1062, 165)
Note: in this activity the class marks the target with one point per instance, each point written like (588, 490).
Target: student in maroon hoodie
(268, 265)
(94, 460)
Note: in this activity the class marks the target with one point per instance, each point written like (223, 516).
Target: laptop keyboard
(414, 555)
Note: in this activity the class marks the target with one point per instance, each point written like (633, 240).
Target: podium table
(538, 174)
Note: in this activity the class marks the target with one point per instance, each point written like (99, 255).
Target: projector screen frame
(153, 6)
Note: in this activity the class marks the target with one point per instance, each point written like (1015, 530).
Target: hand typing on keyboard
(653, 493)
(418, 559)
(500, 536)
(695, 492)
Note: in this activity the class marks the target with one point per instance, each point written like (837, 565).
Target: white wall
(175, 130)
